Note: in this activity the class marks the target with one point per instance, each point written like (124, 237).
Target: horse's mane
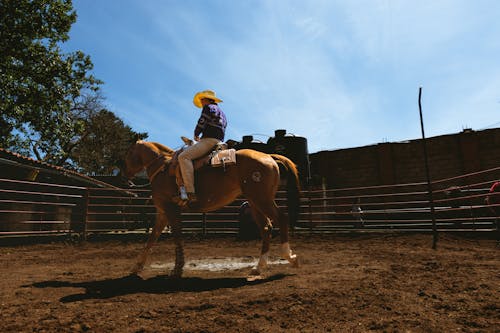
(164, 149)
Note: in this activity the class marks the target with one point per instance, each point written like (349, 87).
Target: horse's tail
(288, 168)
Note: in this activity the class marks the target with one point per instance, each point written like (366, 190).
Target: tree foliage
(49, 101)
(103, 142)
(38, 83)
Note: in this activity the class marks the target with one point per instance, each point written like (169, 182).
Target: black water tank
(249, 143)
(293, 147)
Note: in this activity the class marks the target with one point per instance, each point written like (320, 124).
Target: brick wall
(403, 162)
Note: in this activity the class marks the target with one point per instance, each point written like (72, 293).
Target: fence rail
(30, 208)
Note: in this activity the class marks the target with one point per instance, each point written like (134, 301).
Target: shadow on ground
(133, 284)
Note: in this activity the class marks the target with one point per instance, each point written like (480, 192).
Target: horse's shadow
(133, 284)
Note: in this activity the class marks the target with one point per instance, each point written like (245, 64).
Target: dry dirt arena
(367, 283)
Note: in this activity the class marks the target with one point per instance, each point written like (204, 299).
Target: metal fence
(30, 208)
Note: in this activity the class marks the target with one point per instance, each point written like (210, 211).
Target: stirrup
(192, 198)
(182, 199)
(185, 198)
(179, 202)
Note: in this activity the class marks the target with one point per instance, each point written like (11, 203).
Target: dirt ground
(368, 283)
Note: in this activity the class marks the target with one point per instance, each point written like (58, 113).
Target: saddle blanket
(223, 157)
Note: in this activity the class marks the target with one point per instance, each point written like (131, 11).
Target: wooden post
(204, 223)
(309, 194)
(85, 213)
(429, 185)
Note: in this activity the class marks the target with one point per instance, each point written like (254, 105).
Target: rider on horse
(211, 127)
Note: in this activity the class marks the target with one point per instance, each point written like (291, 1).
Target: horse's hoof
(294, 261)
(175, 278)
(255, 274)
(252, 278)
(133, 278)
(176, 274)
(136, 269)
(255, 271)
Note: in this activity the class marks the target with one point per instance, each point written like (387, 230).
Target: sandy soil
(376, 283)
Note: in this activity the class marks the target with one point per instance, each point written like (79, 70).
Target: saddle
(220, 156)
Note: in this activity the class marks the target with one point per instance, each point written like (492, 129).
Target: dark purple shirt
(212, 122)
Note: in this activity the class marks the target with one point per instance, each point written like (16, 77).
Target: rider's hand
(196, 138)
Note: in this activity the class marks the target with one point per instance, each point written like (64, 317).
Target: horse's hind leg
(265, 228)
(272, 211)
(286, 252)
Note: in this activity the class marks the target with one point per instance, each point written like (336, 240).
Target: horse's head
(133, 162)
(140, 155)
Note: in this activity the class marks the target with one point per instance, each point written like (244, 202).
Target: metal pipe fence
(31, 208)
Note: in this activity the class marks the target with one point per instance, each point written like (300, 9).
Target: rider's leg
(188, 155)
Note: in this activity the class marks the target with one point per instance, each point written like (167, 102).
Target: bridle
(153, 168)
(156, 166)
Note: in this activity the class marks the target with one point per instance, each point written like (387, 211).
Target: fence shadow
(133, 284)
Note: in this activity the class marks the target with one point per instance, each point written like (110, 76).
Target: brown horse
(255, 175)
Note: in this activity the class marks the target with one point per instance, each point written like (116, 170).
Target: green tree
(103, 142)
(40, 85)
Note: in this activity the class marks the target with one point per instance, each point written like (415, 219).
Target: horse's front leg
(161, 221)
(179, 249)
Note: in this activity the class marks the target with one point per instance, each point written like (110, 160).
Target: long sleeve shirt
(212, 122)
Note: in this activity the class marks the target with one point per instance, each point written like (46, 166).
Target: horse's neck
(163, 149)
(152, 153)
(148, 154)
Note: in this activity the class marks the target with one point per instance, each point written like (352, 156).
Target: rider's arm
(202, 122)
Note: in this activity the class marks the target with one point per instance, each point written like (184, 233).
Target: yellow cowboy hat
(205, 94)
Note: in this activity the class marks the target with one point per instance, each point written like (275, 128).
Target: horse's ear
(187, 141)
(139, 137)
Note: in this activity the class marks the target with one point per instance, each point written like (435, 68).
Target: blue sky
(340, 73)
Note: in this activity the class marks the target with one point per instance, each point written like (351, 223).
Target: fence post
(497, 226)
(310, 210)
(86, 198)
(204, 223)
(427, 173)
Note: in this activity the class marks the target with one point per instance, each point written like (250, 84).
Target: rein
(152, 170)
